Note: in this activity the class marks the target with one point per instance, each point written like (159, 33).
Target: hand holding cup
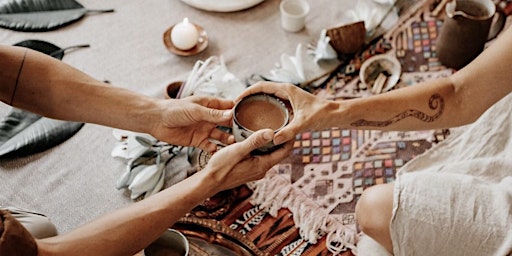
(256, 112)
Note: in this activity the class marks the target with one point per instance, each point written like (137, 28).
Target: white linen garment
(456, 199)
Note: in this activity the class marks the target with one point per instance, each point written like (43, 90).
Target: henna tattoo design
(436, 102)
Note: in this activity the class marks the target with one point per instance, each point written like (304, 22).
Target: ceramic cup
(173, 89)
(170, 243)
(256, 112)
(293, 14)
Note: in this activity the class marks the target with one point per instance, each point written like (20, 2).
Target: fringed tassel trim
(274, 192)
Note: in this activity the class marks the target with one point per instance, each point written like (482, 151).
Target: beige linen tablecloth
(75, 181)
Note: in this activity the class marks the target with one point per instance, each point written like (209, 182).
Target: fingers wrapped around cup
(256, 112)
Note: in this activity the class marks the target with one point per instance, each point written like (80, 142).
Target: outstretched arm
(38, 83)
(130, 229)
(447, 102)
(457, 100)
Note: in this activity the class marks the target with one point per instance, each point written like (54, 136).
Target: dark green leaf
(40, 15)
(41, 46)
(23, 133)
(48, 48)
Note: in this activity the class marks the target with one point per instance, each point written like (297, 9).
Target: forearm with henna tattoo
(436, 102)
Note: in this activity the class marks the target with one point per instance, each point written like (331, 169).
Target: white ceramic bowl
(382, 63)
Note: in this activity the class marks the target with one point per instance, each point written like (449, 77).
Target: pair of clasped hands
(195, 122)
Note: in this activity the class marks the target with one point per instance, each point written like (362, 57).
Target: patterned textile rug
(305, 205)
(329, 169)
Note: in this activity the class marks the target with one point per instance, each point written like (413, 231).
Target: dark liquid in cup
(472, 8)
(156, 249)
(260, 114)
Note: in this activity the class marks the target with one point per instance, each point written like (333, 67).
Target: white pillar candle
(184, 35)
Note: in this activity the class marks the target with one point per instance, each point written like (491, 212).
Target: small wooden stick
(379, 83)
(439, 8)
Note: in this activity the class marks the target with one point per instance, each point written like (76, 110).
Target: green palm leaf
(40, 15)
(23, 133)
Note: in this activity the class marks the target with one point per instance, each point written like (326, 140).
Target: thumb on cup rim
(258, 139)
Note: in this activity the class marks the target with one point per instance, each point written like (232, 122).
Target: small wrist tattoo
(18, 77)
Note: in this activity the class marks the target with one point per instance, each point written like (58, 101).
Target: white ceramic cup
(293, 14)
(171, 242)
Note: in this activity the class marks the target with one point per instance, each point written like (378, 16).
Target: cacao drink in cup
(171, 243)
(256, 112)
